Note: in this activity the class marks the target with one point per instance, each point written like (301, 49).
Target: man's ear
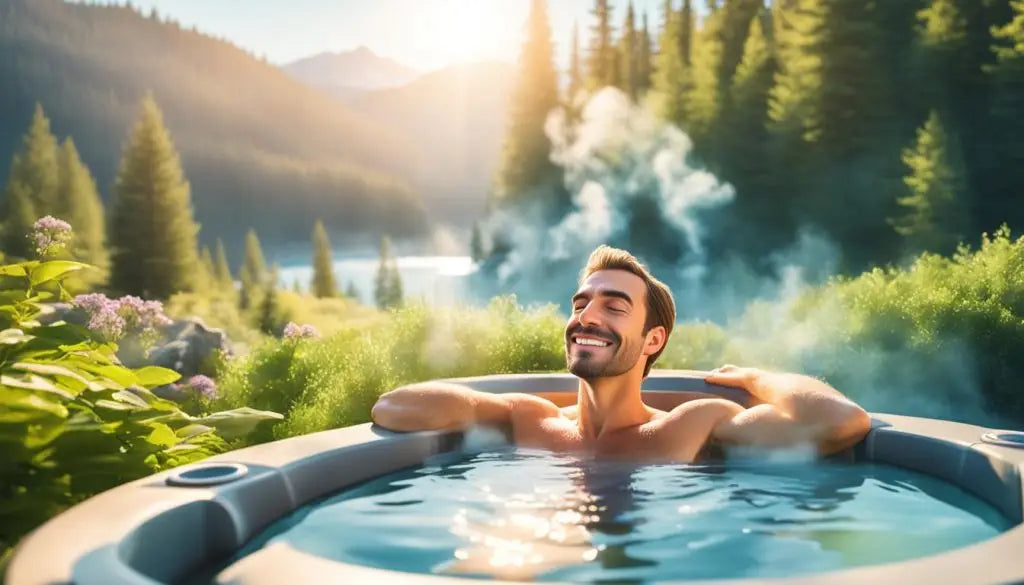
(655, 340)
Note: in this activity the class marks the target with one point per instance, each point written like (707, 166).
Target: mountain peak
(359, 68)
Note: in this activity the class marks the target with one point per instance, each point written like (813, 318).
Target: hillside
(455, 119)
(259, 147)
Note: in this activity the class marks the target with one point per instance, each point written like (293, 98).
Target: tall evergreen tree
(706, 97)
(269, 316)
(645, 65)
(207, 279)
(254, 261)
(323, 284)
(387, 283)
(576, 81)
(31, 190)
(602, 66)
(223, 269)
(687, 26)
(629, 53)
(525, 160)
(152, 232)
(933, 216)
(476, 244)
(746, 149)
(1007, 76)
(253, 273)
(79, 202)
(671, 79)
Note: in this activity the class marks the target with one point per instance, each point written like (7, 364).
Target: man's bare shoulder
(526, 406)
(695, 418)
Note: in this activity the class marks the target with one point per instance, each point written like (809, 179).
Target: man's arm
(794, 409)
(438, 405)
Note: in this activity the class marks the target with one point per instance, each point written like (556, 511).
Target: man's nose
(589, 315)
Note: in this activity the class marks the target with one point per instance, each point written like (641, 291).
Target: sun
(470, 30)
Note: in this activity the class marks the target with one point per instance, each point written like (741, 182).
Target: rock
(188, 345)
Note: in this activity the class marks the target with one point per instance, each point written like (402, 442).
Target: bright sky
(424, 34)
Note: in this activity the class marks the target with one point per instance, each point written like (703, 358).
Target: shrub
(73, 420)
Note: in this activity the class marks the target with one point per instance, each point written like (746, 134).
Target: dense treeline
(891, 127)
(258, 148)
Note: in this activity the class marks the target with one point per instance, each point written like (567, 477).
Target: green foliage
(602, 58)
(255, 265)
(1007, 155)
(525, 162)
(73, 420)
(324, 285)
(629, 55)
(387, 282)
(31, 190)
(934, 211)
(334, 382)
(672, 77)
(645, 65)
(152, 233)
(223, 269)
(270, 318)
(238, 154)
(79, 204)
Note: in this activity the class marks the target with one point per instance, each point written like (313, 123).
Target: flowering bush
(73, 420)
(50, 235)
(295, 331)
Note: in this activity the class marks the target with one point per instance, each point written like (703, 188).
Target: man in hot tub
(620, 322)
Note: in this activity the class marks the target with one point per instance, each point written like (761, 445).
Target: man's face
(604, 336)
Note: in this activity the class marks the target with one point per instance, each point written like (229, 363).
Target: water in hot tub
(522, 514)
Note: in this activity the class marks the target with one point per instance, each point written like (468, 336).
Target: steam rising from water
(626, 172)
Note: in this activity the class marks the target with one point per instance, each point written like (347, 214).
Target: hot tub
(168, 527)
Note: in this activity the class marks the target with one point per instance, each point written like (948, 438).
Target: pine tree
(79, 202)
(247, 286)
(629, 52)
(152, 232)
(687, 25)
(705, 97)
(351, 291)
(269, 319)
(645, 67)
(476, 244)
(746, 148)
(525, 162)
(223, 269)
(601, 58)
(208, 272)
(1007, 76)
(575, 87)
(31, 190)
(387, 283)
(933, 218)
(671, 75)
(323, 284)
(254, 262)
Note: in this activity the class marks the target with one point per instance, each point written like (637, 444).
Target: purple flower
(50, 235)
(115, 317)
(295, 331)
(204, 385)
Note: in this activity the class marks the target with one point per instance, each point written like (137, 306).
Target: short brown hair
(661, 309)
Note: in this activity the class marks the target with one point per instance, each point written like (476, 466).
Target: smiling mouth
(590, 341)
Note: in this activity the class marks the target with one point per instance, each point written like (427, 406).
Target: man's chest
(563, 435)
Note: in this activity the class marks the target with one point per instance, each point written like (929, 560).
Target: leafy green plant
(73, 420)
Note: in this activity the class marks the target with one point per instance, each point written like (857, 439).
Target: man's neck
(607, 405)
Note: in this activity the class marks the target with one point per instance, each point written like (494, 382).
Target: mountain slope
(259, 147)
(456, 118)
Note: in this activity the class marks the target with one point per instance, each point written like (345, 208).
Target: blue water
(519, 514)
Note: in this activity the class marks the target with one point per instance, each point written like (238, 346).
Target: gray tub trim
(110, 539)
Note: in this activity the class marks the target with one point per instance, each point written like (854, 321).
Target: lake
(438, 280)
